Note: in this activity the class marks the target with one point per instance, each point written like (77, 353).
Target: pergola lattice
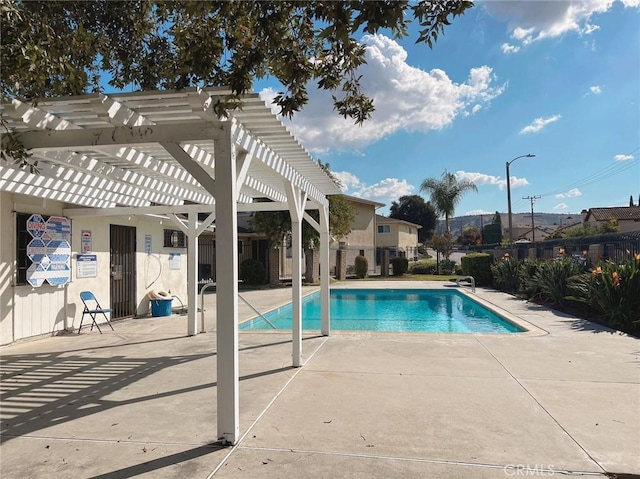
(168, 153)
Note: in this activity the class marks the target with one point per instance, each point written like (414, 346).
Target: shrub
(400, 265)
(507, 274)
(612, 291)
(447, 266)
(550, 279)
(253, 272)
(478, 265)
(424, 266)
(528, 271)
(361, 266)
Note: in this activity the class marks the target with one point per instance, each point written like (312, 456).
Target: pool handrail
(463, 278)
(213, 284)
(256, 311)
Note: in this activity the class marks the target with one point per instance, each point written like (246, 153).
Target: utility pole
(533, 227)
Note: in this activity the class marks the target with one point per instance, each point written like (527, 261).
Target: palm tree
(446, 193)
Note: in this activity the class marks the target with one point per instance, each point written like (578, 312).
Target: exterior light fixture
(175, 239)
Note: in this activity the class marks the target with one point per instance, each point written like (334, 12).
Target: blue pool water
(401, 310)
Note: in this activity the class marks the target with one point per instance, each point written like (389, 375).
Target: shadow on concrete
(70, 334)
(161, 462)
(43, 390)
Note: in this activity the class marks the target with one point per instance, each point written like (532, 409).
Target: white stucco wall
(27, 312)
(6, 265)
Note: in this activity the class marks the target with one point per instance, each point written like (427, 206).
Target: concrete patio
(141, 401)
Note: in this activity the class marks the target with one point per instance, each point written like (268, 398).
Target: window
(240, 247)
(384, 229)
(22, 240)
(174, 239)
(361, 252)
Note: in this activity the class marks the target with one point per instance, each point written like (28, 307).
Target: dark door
(261, 252)
(123, 271)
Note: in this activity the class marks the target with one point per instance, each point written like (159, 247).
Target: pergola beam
(186, 209)
(196, 170)
(88, 139)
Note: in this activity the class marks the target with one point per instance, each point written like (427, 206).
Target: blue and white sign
(59, 228)
(58, 274)
(36, 250)
(49, 250)
(58, 252)
(36, 226)
(36, 274)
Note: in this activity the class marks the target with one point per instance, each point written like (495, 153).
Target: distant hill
(542, 220)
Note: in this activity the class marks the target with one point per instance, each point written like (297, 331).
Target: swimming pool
(399, 310)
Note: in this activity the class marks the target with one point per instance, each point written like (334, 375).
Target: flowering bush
(613, 290)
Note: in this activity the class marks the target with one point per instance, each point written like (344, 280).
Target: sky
(556, 79)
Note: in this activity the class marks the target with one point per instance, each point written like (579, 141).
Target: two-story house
(399, 236)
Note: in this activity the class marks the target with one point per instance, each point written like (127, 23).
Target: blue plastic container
(161, 307)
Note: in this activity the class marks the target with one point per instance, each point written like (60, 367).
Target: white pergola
(168, 153)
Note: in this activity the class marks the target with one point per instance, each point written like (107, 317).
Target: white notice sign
(86, 266)
(175, 261)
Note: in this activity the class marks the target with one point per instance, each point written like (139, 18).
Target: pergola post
(297, 200)
(325, 324)
(228, 410)
(192, 275)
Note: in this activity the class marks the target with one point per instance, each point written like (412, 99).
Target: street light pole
(509, 194)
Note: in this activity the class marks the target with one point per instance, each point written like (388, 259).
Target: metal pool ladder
(473, 282)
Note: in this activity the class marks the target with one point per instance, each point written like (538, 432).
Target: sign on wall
(86, 266)
(85, 241)
(175, 261)
(49, 251)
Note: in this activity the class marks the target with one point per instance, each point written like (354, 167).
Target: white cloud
(573, 193)
(531, 21)
(560, 206)
(623, 157)
(384, 191)
(387, 190)
(520, 33)
(479, 212)
(348, 180)
(405, 97)
(508, 48)
(595, 89)
(539, 123)
(483, 179)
